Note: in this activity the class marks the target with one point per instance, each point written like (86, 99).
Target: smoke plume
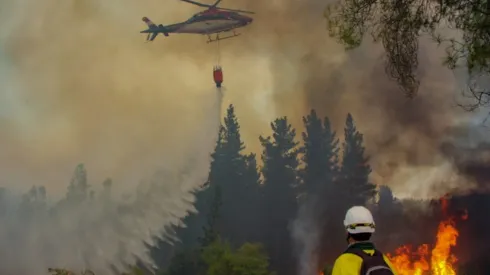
(306, 236)
(81, 75)
(108, 232)
(79, 85)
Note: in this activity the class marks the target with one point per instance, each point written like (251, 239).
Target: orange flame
(402, 261)
(441, 261)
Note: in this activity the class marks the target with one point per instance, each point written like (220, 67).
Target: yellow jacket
(350, 264)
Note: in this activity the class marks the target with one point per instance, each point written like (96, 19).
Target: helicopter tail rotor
(151, 36)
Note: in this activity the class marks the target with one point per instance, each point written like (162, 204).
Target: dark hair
(361, 237)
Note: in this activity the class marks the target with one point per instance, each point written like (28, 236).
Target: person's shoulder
(349, 257)
(347, 264)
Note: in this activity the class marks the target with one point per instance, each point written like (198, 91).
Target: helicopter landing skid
(218, 38)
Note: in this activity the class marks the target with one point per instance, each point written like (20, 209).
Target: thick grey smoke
(79, 85)
(105, 231)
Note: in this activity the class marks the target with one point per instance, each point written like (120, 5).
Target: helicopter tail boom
(153, 30)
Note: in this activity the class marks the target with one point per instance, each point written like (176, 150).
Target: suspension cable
(218, 53)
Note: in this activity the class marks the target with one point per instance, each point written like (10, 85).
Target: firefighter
(361, 257)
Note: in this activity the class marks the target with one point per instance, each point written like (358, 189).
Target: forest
(285, 215)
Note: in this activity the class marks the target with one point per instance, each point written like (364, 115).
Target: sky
(79, 85)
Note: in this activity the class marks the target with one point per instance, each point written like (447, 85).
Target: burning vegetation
(439, 260)
(242, 226)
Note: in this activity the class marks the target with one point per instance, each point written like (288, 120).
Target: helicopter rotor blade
(197, 3)
(216, 3)
(241, 11)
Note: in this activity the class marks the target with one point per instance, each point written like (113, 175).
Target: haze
(79, 85)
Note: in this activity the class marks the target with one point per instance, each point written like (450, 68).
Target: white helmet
(359, 219)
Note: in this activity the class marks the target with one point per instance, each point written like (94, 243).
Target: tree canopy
(249, 259)
(283, 217)
(399, 24)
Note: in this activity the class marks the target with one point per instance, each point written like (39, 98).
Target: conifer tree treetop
(320, 152)
(355, 168)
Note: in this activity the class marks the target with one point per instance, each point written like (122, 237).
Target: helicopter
(213, 20)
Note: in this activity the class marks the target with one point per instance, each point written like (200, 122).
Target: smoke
(403, 137)
(104, 233)
(306, 236)
(79, 85)
(92, 74)
(307, 69)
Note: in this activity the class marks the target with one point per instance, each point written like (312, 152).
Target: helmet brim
(361, 229)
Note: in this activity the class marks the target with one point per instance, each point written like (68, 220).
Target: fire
(440, 261)
(402, 261)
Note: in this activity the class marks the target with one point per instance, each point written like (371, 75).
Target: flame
(402, 261)
(440, 261)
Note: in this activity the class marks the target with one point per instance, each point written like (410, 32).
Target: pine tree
(320, 154)
(251, 173)
(386, 202)
(355, 168)
(78, 190)
(217, 159)
(227, 163)
(34, 202)
(251, 200)
(234, 178)
(389, 209)
(231, 170)
(192, 233)
(233, 143)
(199, 227)
(280, 160)
(210, 231)
(320, 157)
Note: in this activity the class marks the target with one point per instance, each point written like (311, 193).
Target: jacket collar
(362, 245)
